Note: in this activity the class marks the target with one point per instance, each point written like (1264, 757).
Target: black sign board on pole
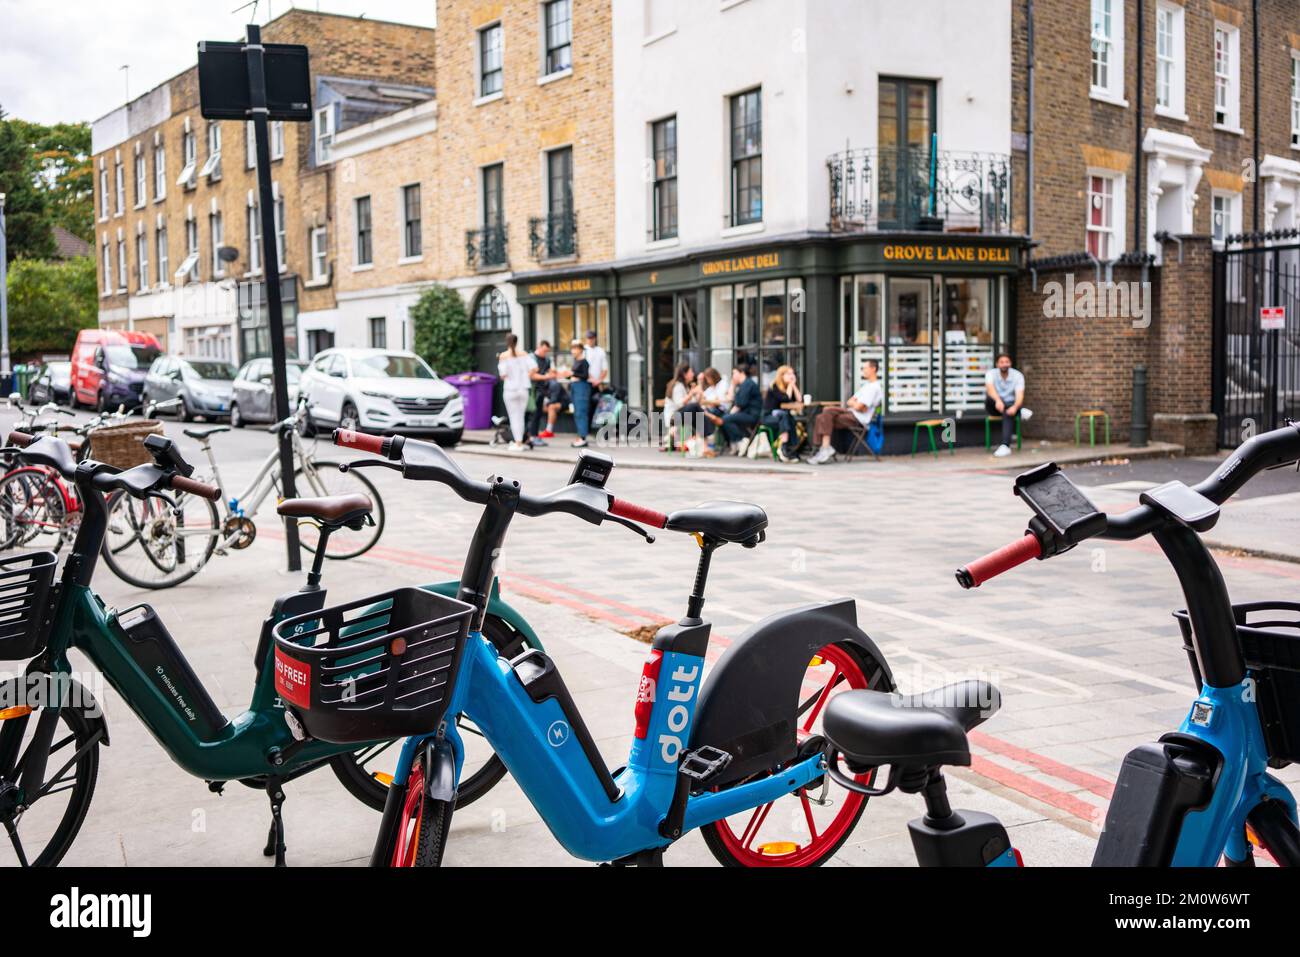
(252, 81)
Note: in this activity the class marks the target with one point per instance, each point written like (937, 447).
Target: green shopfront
(933, 308)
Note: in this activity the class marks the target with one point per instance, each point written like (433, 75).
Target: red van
(108, 367)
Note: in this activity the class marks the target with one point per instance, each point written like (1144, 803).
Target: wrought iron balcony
(884, 188)
(554, 236)
(486, 248)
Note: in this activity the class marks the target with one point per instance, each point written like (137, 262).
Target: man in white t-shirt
(598, 360)
(861, 408)
(1005, 388)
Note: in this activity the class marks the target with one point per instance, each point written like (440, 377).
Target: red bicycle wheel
(802, 830)
(422, 828)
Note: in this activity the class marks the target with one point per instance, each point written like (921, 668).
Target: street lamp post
(6, 375)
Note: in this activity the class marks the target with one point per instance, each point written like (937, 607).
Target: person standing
(1006, 397)
(861, 408)
(598, 362)
(580, 392)
(546, 403)
(516, 367)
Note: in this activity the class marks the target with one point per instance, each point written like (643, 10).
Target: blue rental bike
(1190, 798)
(739, 756)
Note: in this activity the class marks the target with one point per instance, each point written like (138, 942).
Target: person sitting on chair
(680, 389)
(861, 409)
(1006, 397)
(783, 390)
(746, 410)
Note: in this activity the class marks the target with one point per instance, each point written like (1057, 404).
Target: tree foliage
(49, 303)
(443, 334)
(47, 178)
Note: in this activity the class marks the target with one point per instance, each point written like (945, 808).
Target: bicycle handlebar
(202, 489)
(21, 439)
(638, 513)
(1267, 450)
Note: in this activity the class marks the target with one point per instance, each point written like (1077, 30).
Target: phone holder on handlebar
(1063, 515)
(165, 455)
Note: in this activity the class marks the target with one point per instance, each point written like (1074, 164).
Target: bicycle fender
(71, 693)
(440, 768)
(750, 699)
(496, 607)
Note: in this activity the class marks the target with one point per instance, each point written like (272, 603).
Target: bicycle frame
(539, 749)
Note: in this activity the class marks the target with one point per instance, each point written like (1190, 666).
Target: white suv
(378, 390)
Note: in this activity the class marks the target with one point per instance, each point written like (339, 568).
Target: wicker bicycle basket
(123, 445)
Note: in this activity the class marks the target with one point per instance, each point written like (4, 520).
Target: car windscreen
(390, 367)
(213, 370)
(132, 357)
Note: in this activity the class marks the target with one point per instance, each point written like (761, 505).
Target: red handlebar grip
(346, 438)
(201, 489)
(21, 439)
(995, 563)
(637, 513)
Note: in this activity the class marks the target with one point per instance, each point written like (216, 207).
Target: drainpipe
(1029, 123)
(1254, 187)
(1139, 200)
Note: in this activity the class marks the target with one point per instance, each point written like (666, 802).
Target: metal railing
(907, 188)
(486, 248)
(554, 236)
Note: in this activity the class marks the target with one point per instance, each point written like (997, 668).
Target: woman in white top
(514, 367)
(678, 391)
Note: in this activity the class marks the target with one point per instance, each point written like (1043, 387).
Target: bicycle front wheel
(31, 504)
(149, 544)
(324, 479)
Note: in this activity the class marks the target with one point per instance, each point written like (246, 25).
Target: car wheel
(185, 413)
(236, 418)
(306, 428)
(448, 439)
(101, 402)
(349, 418)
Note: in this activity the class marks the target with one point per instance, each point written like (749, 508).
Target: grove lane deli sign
(740, 264)
(941, 253)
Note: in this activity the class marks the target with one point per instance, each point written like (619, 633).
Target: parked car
(52, 383)
(253, 396)
(380, 390)
(109, 367)
(202, 385)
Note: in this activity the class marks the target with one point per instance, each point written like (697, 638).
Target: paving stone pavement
(1083, 647)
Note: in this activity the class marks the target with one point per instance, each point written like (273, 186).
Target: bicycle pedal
(703, 763)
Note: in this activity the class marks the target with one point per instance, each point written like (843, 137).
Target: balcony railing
(915, 188)
(554, 236)
(486, 248)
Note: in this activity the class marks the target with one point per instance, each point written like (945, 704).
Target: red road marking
(1036, 789)
(1098, 786)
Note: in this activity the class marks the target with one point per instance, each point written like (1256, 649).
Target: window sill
(658, 36)
(558, 260)
(553, 77)
(363, 267)
(254, 274)
(1171, 115)
(667, 243)
(490, 98)
(748, 229)
(316, 283)
(410, 260)
(138, 206)
(159, 199)
(1104, 96)
(1234, 130)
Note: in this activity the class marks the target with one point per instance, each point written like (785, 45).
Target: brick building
(506, 175)
(172, 189)
(1159, 129)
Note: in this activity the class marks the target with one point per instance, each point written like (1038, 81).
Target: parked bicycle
(151, 544)
(51, 726)
(737, 756)
(1187, 799)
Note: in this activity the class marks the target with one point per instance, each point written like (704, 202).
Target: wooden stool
(1092, 415)
(988, 436)
(930, 425)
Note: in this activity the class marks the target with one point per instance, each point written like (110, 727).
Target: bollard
(1138, 430)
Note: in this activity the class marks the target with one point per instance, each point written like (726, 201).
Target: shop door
(905, 132)
(663, 342)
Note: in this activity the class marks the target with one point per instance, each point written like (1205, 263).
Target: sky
(60, 60)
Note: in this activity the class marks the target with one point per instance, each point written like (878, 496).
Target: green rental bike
(51, 725)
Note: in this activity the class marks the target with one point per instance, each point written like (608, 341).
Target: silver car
(253, 397)
(202, 385)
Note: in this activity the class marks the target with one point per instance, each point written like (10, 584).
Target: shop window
(759, 325)
(636, 349)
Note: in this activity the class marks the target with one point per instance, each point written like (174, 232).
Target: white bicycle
(157, 543)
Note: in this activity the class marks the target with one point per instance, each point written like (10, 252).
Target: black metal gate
(1256, 368)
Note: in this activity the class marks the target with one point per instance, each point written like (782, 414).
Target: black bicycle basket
(1269, 635)
(377, 668)
(25, 604)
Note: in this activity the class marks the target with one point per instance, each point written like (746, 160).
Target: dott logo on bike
(557, 734)
(645, 694)
(293, 680)
(680, 692)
